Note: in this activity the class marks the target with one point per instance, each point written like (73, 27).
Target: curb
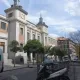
(17, 69)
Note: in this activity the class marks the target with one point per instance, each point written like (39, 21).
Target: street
(21, 74)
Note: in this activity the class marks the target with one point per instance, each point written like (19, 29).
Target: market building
(15, 26)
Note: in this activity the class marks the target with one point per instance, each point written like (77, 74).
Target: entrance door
(2, 44)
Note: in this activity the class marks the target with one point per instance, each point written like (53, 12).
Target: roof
(62, 38)
(17, 7)
(42, 24)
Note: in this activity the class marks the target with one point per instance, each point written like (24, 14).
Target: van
(1, 61)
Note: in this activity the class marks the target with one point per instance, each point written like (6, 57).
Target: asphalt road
(19, 74)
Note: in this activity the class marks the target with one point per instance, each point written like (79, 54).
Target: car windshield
(35, 34)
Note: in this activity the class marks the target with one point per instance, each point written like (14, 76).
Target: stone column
(31, 57)
(36, 36)
(17, 31)
(47, 40)
(25, 58)
(43, 39)
(25, 34)
(31, 36)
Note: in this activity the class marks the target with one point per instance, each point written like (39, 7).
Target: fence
(73, 69)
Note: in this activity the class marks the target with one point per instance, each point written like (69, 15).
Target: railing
(73, 69)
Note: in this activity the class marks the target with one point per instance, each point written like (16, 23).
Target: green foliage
(53, 51)
(57, 52)
(61, 53)
(47, 49)
(14, 46)
(33, 46)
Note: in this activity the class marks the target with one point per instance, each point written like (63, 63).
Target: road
(21, 74)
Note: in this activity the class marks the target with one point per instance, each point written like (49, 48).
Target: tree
(61, 54)
(57, 52)
(75, 37)
(47, 49)
(14, 47)
(32, 46)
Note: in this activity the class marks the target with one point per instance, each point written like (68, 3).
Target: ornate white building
(15, 26)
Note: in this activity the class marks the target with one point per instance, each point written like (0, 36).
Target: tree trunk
(33, 61)
(55, 58)
(14, 59)
(28, 64)
(60, 58)
(38, 66)
(33, 58)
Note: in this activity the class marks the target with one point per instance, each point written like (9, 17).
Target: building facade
(67, 45)
(15, 26)
(3, 33)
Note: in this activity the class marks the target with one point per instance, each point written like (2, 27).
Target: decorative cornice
(16, 7)
(3, 38)
(3, 19)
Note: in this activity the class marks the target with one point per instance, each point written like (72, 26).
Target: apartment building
(67, 45)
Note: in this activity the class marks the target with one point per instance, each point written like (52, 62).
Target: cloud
(55, 21)
(32, 18)
(48, 20)
(54, 35)
(42, 12)
(73, 7)
(66, 29)
(60, 25)
(6, 2)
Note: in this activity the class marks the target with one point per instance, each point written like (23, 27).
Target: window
(21, 31)
(21, 44)
(39, 38)
(28, 36)
(33, 36)
(45, 39)
(3, 25)
(10, 14)
(49, 40)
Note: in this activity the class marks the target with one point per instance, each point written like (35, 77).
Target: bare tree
(75, 37)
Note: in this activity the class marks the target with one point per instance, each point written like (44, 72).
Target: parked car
(1, 61)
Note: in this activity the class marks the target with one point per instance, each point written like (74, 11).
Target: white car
(1, 61)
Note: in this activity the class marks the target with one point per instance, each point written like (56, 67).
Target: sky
(61, 16)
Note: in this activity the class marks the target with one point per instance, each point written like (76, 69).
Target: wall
(19, 15)
(11, 35)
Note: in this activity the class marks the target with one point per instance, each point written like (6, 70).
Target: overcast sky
(62, 16)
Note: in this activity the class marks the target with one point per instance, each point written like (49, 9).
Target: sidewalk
(11, 67)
